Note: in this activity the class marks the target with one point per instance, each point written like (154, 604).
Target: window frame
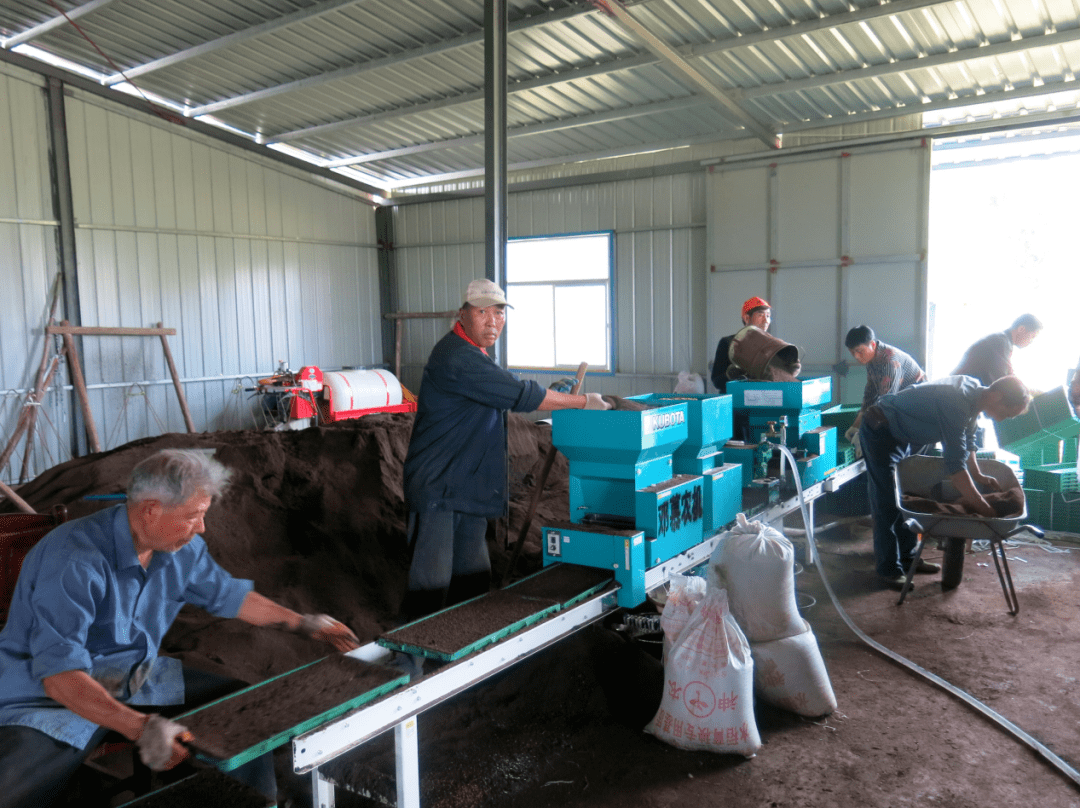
(562, 370)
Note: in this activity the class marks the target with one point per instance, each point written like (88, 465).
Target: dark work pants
(34, 767)
(450, 561)
(894, 544)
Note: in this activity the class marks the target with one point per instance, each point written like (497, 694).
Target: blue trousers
(35, 767)
(894, 544)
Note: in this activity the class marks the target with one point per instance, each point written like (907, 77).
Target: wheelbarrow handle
(1038, 532)
(913, 525)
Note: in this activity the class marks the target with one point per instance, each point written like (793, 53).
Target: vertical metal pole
(322, 791)
(388, 299)
(64, 210)
(407, 764)
(495, 147)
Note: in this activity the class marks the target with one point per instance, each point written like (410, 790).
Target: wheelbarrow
(924, 476)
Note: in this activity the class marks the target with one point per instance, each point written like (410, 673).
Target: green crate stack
(1064, 512)
(1038, 454)
(845, 454)
(1049, 418)
(1058, 478)
(1069, 450)
(1038, 507)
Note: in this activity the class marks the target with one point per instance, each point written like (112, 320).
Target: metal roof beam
(921, 63)
(463, 98)
(476, 37)
(623, 151)
(609, 116)
(671, 58)
(54, 22)
(934, 106)
(204, 48)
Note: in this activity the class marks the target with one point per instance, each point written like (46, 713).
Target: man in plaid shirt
(888, 370)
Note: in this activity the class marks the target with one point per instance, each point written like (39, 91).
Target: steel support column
(495, 148)
(388, 299)
(67, 264)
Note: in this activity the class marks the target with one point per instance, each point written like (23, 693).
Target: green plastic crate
(1038, 506)
(1064, 512)
(1069, 450)
(1040, 454)
(1057, 478)
(1050, 417)
(845, 454)
(840, 417)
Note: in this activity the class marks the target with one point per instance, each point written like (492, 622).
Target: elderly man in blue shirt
(945, 410)
(95, 597)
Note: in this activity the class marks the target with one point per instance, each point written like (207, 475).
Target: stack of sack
(708, 700)
(755, 563)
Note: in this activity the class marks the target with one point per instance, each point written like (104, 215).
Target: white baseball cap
(482, 293)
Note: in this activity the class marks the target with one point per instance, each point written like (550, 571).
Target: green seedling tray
(553, 569)
(388, 641)
(283, 737)
(1056, 478)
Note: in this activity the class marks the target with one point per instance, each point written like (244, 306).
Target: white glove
(326, 629)
(155, 744)
(594, 401)
(851, 434)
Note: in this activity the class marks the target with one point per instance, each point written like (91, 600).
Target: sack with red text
(790, 673)
(708, 701)
(685, 593)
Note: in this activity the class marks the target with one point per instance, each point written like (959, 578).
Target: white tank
(348, 390)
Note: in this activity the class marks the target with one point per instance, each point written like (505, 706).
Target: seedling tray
(208, 788)
(568, 584)
(1057, 478)
(469, 626)
(258, 719)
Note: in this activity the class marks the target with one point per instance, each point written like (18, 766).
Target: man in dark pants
(455, 470)
(922, 415)
(888, 370)
(95, 597)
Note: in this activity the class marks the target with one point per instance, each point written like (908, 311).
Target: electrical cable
(967, 698)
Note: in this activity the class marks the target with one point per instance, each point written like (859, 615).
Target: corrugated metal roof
(393, 92)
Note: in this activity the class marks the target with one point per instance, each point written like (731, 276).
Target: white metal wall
(249, 263)
(659, 289)
(831, 242)
(27, 261)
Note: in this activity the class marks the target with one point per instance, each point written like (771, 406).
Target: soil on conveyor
(316, 518)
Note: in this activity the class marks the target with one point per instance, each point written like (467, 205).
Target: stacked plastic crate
(1045, 439)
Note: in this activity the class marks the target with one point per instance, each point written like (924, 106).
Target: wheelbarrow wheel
(952, 563)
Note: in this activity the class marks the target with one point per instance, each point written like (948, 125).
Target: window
(560, 288)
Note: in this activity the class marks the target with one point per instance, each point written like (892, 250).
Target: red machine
(338, 395)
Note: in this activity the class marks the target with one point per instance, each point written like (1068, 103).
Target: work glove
(563, 385)
(851, 434)
(156, 743)
(594, 401)
(324, 628)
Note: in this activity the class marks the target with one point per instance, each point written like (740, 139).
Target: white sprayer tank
(349, 390)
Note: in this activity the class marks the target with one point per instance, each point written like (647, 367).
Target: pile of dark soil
(316, 518)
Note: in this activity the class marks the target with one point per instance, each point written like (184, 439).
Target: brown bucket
(763, 356)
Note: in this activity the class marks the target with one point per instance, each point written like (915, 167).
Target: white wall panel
(250, 263)
(28, 266)
(844, 240)
(659, 290)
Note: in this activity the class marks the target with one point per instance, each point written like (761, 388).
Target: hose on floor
(1007, 725)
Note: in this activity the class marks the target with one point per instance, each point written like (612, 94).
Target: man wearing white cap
(455, 470)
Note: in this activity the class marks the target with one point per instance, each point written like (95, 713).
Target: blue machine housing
(614, 454)
(709, 425)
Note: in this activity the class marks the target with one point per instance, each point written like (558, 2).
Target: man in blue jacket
(923, 415)
(455, 470)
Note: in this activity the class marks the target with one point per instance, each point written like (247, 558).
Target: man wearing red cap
(757, 312)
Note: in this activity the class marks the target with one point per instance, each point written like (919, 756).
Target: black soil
(207, 789)
(562, 582)
(240, 722)
(454, 629)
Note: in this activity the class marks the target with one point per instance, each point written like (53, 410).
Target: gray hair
(173, 476)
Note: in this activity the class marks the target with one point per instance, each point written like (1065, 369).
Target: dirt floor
(316, 518)
(564, 729)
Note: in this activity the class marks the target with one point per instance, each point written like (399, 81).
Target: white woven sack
(790, 673)
(756, 564)
(708, 701)
(685, 592)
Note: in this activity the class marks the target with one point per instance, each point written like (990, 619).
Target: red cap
(754, 303)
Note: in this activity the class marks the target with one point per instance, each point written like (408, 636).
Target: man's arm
(261, 611)
(969, 495)
(977, 476)
(86, 697)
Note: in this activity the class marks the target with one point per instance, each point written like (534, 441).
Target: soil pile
(316, 518)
